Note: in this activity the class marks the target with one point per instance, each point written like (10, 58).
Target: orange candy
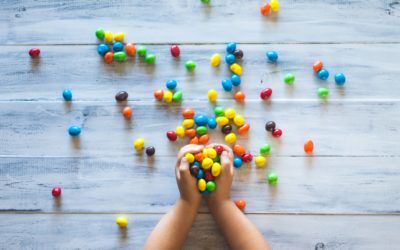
(317, 66)
(159, 94)
(241, 204)
(243, 129)
(130, 49)
(188, 113)
(108, 57)
(199, 156)
(240, 96)
(265, 9)
(190, 132)
(309, 146)
(239, 149)
(203, 139)
(194, 140)
(127, 112)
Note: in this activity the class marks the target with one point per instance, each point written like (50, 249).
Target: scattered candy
(171, 135)
(272, 56)
(74, 130)
(241, 204)
(168, 96)
(260, 161)
(122, 222)
(322, 92)
(309, 146)
(239, 150)
(317, 66)
(56, 192)
(238, 120)
(118, 46)
(219, 111)
(277, 132)
(230, 113)
(242, 130)
(108, 36)
(67, 95)
(171, 84)
(142, 51)
(323, 74)
(177, 97)
(235, 79)
(230, 138)
(215, 59)
(265, 9)
(138, 144)
(190, 65)
(247, 157)
(130, 49)
(121, 96)
(272, 178)
(212, 123)
(236, 68)
(237, 162)
(119, 37)
(270, 126)
(212, 95)
(175, 50)
(150, 58)
(201, 120)
(238, 54)
(180, 131)
(226, 129)
(150, 151)
(265, 149)
(231, 47)
(119, 56)
(265, 93)
(222, 121)
(100, 33)
(240, 96)
(108, 57)
(340, 78)
(159, 94)
(188, 113)
(230, 58)
(127, 112)
(34, 52)
(102, 49)
(206, 1)
(227, 85)
(289, 78)
(274, 5)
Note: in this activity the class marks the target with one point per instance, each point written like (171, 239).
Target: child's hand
(187, 184)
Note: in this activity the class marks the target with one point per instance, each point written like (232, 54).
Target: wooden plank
(129, 184)
(369, 70)
(186, 21)
(89, 231)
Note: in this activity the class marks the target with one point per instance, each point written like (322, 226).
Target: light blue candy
(230, 58)
(227, 85)
(205, 192)
(171, 84)
(74, 130)
(67, 94)
(272, 56)
(201, 120)
(196, 163)
(340, 78)
(237, 162)
(102, 49)
(323, 74)
(231, 47)
(212, 123)
(118, 46)
(200, 174)
(235, 79)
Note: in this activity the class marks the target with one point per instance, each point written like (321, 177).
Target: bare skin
(173, 228)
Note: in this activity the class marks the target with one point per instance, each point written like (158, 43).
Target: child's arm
(172, 230)
(237, 229)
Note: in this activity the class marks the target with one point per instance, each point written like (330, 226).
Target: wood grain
(187, 21)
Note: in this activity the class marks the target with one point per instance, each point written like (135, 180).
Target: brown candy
(121, 96)
(150, 151)
(270, 126)
(226, 129)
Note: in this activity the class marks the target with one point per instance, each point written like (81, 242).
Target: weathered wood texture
(370, 72)
(187, 21)
(91, 231)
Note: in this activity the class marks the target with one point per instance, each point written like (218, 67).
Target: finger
(225, 147)
(184, 167)
(191, 148)
(226, 162)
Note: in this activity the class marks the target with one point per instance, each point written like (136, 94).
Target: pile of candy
(138, 144)
(169, 95)
(323, 74)
(271, 127)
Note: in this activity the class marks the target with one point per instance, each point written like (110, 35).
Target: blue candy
(230, 58)
(171, 84)
(67, 94)
(102, 49)
(118, 46)
(323, 74)
(231, 47)
(237, 162)
(212, 123)
(200, 174)
(74, 130)
(272, 56)
(227, 85)
(201, 120)
(196, 163)
(235, 79)
(205, 192)
(340, 78)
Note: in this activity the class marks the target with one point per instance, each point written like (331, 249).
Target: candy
(322, 92)
(227, 85)
(168, 96)
(230, 138)
(67, 95)
(274, 5)
(175, 50)
(200, 174)
(207, 163)
(317, 65)
(272, 178)
(121, 96)
(171, 135)
(238, 120)
(150, 58)
(309, 146)
(188, 113)
(188, 123)
(199, 157)
(201, 130)
(194, 140)
(102, 49)
(74, 130)
(150, 151)
(138, 144)
(242, 130)
(190, 65)
(100, 33)
(108, 57)
(265, 93)
(236, 68)
(230, 113)
(265, 149)
(272, 56)
(194, 170)
(215, 59)
(231, 47)
(219, 111)
(190, 132)
(216, 169)
(270, 126)
(237, 162)
(212, 153)
(212, 123)
(205, 152)
(203, 139)
(238, 54)
(222, 121)
(235, 79)
(180, 131)
(130, 49)
(119, 36)
(340, 78)
(265, 9)
(122, 222)
(159, 94)
(230, 58)
(177, 97)
(208, 176)
(118, 46)
(240, 96)
(35, 52)
(200, 120)
(211, 186)
(247, 157)
(108, 36)
(241, 204)
(289, 78)
(239, 149)
(212, 95)
(56, 191)
(206, 1)
(189, 157)
(226, 129)
(323, 74)
(219, 149)
(142, 51)
(260, 161)
(119, 56)
(127, 112)
(277, 132)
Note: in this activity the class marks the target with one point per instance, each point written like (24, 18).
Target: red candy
(265, 93)
(34, 52)
(172, 135)
(208, 176)
(247, 157)
(241, 204)
(56, 192)
(277, 132)
(175, 51)
(219, 149)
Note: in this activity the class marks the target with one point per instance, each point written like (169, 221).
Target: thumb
(184, 167)
(225, 161)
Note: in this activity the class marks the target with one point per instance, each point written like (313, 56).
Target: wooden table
(345, 196)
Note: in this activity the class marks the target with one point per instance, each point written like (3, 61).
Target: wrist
(190, 206)
(215, 205)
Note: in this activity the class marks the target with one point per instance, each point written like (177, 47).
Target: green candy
(201, 130)
(219, 111)
(265, 149)
(206, 1)
(272, 178)
(177, 97)
(210, 186)
(150, 58)
(100, 33)
(190, 65)
(217, 159)
(141, 50)
(323, 92)
(119, 56)
(289, 78)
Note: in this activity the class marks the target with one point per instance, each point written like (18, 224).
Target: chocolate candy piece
(121, 96)
(270, 126)
(150, 151)
(238, 54)
(194, 170)
(226, 129)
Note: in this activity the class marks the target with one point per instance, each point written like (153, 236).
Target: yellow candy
(168, 96)
(212, 95)
(119, 37)
(216, 169)
(236, 68)
(230, 138)
(188, 123)
(238, 120)
(215, 59)
(230, 113)
(205, 153)
(260, 161)
(180, 131)
(122, 221)
(201, 184)
(189, 157)
(222, 120)
(108, 37)
(211, 153)
(207, 163)
(274, 5)
(138, 144)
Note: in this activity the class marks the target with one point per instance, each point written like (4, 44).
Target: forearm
(239, 231)
(172, 230)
